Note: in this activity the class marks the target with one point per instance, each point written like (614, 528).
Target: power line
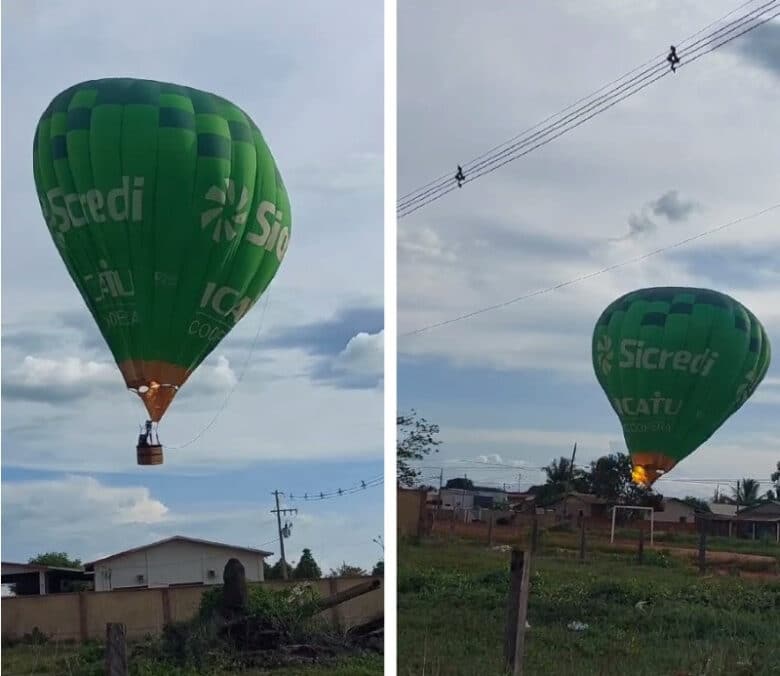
(468, 165)
(582, 278)
(514, 149)
(313, 496)
(661, 70)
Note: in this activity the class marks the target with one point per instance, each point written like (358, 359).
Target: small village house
(580, 505)
(174, 561)
(31, 579)
(674, 510)
(758, 522)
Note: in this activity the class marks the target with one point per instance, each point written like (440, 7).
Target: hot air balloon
(675, 363)
(171, 216)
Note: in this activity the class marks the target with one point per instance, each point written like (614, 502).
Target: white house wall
(174, 563)
(673, 511)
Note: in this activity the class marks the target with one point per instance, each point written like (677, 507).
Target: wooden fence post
(534, 535)
(582, 540)
(702, 550)
(517, 609)
(490, 528)
(83, 619)
(640, 552)
(116, 649)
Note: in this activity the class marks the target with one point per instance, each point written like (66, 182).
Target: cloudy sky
(693, 151)
(307, 414)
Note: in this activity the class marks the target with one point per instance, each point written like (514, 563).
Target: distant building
(759, 522)
(475, 498)
(31, 579)
(674, 510)
(578, 505)
(722, 509)
(174, 561)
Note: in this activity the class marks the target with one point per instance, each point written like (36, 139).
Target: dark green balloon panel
(675, 363)
(169, 212)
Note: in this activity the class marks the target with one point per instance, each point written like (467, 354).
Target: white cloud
(363, 355)
(74, 502)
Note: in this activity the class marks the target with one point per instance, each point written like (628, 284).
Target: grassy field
(452, 600)
(72, 660)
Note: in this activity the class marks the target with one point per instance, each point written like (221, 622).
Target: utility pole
(279, 513)
(571, 465)
(441, 481)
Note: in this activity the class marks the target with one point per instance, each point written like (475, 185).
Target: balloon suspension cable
(241, 375)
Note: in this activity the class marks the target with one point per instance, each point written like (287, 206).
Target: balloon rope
(238, 381)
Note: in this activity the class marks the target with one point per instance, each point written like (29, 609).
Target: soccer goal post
(644, 509)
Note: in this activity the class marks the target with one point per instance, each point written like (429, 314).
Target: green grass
(452, 600)
(714, 543)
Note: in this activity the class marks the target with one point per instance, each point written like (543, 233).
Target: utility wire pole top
(282, 532)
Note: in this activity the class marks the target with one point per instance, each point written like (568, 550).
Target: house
(174, 561)
(761, 521)
(578, 505)
(723, 509)
(475, 498)
(674, 510)
(30, 579)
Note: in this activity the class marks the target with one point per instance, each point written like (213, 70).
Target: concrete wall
(84, 615)
(174, 562)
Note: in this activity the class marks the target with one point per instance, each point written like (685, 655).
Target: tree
(379, 568)
(275, 572)
(460, 483)
(416, 439)
(345, 570)
(698, 504)
(558, 471)
(610, 478)
(307, 568)
(562, 477)
(57, 559)
(720, 498)
(747, 492)
(776, 478)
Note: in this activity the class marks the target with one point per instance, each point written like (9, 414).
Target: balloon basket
(151, 454)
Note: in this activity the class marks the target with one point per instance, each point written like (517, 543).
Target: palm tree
(747, 492)
(558, 471)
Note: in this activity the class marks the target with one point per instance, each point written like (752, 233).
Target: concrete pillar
(754, 530)
(41, 582)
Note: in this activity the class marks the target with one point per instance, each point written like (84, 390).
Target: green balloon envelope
(675, 363)
(170, 214)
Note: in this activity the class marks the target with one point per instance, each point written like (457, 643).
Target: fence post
(517, 609)
(490, 528)
(83, 620)
(582, 540)
(534, 534)
(640, 552)
(116, 649)
(702, 550)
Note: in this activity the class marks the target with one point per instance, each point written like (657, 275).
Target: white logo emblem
(224, 225)
(604, 354)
